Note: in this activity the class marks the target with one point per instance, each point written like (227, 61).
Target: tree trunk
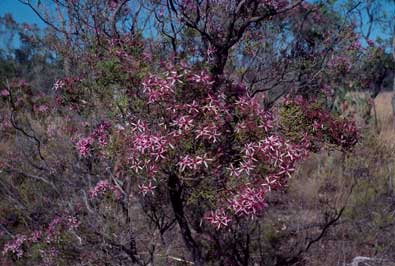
(67, 66)
(217, 65)
(393, 71)
(175, 191)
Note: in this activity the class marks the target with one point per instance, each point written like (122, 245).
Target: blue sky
(19, 11)
(23, 13)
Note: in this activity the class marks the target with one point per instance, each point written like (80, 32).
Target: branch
(14, 124)
(38, 142)
(323, 231)
(113, 17)
(40, 178)
(43, 19)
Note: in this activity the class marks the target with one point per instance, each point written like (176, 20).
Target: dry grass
(386, 122)
(323, 185)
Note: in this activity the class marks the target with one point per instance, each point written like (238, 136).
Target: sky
(22, 13)
(19, 11)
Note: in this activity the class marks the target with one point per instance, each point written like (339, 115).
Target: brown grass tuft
(386, 122)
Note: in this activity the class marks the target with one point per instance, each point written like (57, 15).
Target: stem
(175, 190)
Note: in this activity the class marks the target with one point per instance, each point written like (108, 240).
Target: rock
(366, 261)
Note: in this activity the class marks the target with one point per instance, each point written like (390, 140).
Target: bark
(393, 83)
(217, 65)
(67, 65)
(175, 191)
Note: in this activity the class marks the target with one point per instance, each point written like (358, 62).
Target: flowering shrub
(307, 119)
(188, 143)
(194, 131)
(215, 143)
(46, 239)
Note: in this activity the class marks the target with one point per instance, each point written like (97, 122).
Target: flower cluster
(103, 187)
(342, 63)
(58, 85)
(279, 156)
(100, 135)
(153, 146)
(202, 78)
(83, 146)
(158, 88)
(193, 162)
(41, 108)
(277, 153)
(275, 4)
(68, 93)
(5, 93)
(209, 132)
(147, 188)
(15, 246)
(254, 116)
(323, 126)
(47, 235)
(197, 132)
(183, 123)
(250, 201)
(218, 218)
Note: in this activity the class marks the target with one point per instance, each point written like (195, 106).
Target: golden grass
(385, 119)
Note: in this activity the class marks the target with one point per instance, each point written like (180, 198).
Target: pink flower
(213, 105)
(233, 171)
(15, 246)
(240, 127)
(158, 88)
(266, 120)
(84, 145)
(192, 163)
(246, 167)
(192, 108)
(187, 162)
(140, 126)
(43, 108)
(58, 85)
(103, 187)
(152, 145)
(209, 132)
(72, 222)
(135, 164)
(218, 218)
(275, 4)
(249, 201)
(184, 123)
(202, 78)
(147, 188)
(247, 104)
(35, 236)
(100, 134)
(5, 93)
(271, 182)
